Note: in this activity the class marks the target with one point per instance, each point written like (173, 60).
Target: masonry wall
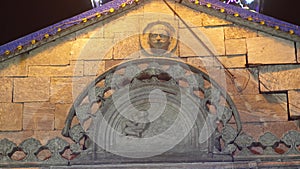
(37, 88)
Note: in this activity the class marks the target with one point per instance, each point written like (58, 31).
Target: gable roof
(231, 13)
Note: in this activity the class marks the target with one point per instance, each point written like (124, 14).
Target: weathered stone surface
(158, 6)
(254, 130)
(280, 128)
(127, 48)
(235, 46)
(237, 32)
(92, 68)
(14, 67)
(193, 18)
(215, 36)
(244, 82)
(44, 137)
(261, 107)
(92, 49)
(111, 63)
(294, 103)
(10, 116)
(236, 61)
(185, 51)
(6, 86)
(279, 77)
(38, 116)
(31, 89)
(209, 20)
(125, 25)
(16, 136)
(61, 112)
(54, 53)
(74, 69)
(65, 90)
(93, 31)
(270, 50)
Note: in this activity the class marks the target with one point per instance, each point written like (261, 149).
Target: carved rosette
(268, 140)
(6, 148)
(30, 146)
(57, 146)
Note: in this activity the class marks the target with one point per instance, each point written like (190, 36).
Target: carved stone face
(159, 37)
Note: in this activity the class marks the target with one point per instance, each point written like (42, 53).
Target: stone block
(53, 53)
(235, 46)
(38, 116)
(209, 20)
(61, 112)
(6, 87)
(65, 90)
(186, 51)
(127, 48)
(279, 77)
(92, 49)
(111, 63)
(262, 107)
(215, 36)
(234, 61)
(10, 116)
(158, 6)
(238, 32)
(280, 128)
(14, 67)
(270, 50)
(74, 69)
(294, 103)
(92, 32)
(31, 89)
(128, 24)
(244, 82)
(254, 130)
(92, 68)
(16, 136)
(191, 17)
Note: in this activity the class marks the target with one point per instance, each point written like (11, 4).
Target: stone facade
(37, 88)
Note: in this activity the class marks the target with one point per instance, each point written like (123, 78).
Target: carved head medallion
(158, 38)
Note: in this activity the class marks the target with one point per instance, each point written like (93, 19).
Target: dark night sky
(21, 17)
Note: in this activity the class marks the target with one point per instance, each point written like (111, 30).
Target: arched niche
(154, 109)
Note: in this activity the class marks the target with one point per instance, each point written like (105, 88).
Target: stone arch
(127, 88)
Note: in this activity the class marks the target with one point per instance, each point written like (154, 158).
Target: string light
(236, 14)
(19, 47)
(277, 27)
(33, 42)
(196, 2)
(84, 20)
(123, 5)
(7, 52)
(208, 5)
(222, 10)
(111, 10)
(46, 35)
(291, 32)
(98, 15)
(59, 29)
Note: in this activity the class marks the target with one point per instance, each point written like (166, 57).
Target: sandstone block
(94, 31)
(280, 128)
(38, 116)
(127, 48)
(14, 67)
(10, 116)
(92, 68)
(65, 90)
(6, 86)
(270, 50)
(92, 49)
(158, 6)
(111, 63)
(294, 103)
(54, 53)
(262, 107)
(193, 18)
(31, 89)
(61, 112)
(235, 46)
(209, 20)
(279, 77)
(235, 61)
(215, 36)
(74, 69)
(238, 32)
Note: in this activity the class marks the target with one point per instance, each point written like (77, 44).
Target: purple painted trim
(257, 17)
(216, 4)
